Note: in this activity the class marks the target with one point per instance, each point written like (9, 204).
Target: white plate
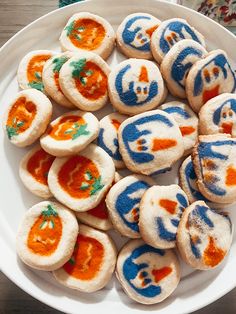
(197, 288)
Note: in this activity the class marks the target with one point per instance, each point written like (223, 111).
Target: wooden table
(14, 15)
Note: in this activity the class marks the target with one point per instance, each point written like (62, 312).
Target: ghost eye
(224, 115)
(207, 75)
(215, 71)
(138, 89)
(139, 36)
(145, 90)
(230, 113)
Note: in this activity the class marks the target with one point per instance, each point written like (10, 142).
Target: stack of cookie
(75, 156)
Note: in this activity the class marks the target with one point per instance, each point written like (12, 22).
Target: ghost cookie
(150, 142)
(33, 171)
(84, 81)
(204, 236)
(161, 209)
(88, 32)
(177, 63)
(29, 74)
(148, 275)
(209, 78)
(123, 201)
(135, 85)
(46, 236)
(70, 133)
(108, 137)
(214, 160)
(50, 77)
(187, 121)
(92, 263)
(218, 115)
(169, 33)
(27, 117)
(81, 181)
(134, 34)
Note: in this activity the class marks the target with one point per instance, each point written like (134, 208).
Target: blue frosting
(200, 212)
(163, 232)
(116, 155)
(231, 102)
(180, 111)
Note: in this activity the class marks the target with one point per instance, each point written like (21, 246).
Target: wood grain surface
(14, 15)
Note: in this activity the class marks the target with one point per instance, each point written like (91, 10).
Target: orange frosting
(35, 67)
(213, 255)
(161, 144)
(161, 273)
(56, 79)
(116, 124)
(230, 176)
(227, 127)
(151, 30)
(168, 205)
(208, 94)
(186, 130)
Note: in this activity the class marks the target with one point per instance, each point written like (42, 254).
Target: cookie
(135, 86)
(46, 236)
(148, 275)
(123, 203)
(209, 78)
(81, 181)
(27, 117)
(187, 121)
(134, 34)
(70, 133)
(150, 142)
(33, 171)
(169, 33)
(161, 209)
(218, 115)
(88, 32)
(50, 77)
(92, 263)
(98, 216)
(214, 160)
(204, 236)
(29, 74)
(108, 137)
(177, 63)
(84, 81)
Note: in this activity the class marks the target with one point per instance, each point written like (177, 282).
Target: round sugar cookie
(46, 236)
(29, 74)
(204, 236)
(169, 33)
(81, 181)
(209, 78)
(148, 275)
(27, 117)
(218, 115)
(150, 142)
(33, 171)
(108, 137)
(123, 201)
(177, 63)
(134, 34)
(92, 263)
(187, 121)
(161, 209)
(214, 160)
(135, 86)
(84, 81)
(88, 32)
(70, 133)
(98, 216)
(50, 77)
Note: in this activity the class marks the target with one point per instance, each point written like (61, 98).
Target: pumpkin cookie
(81, 181)
(214, 159)
(169, 33)
(204, 236)
(84, 81)
(88, 32)
(147, 275)
(27, 117)
(161, 209)
(135, 85)
(209, 78)
(70, 133)
(177, 63)
(46, 237)
(134, 34)
(29, 74)
(92, 263)
(187, 121)
(108, 137)
(34, 168)
(150, 142)
(123, 203)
